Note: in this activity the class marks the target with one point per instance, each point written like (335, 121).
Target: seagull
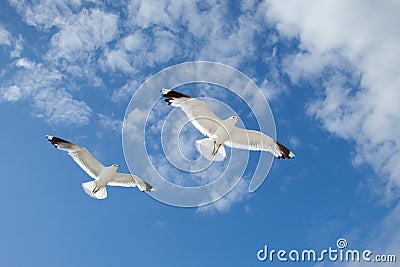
(102, 175)
(222, 132)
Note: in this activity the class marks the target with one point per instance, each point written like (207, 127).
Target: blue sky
(329, 71)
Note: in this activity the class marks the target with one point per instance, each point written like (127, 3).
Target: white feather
(103, 175)
(222, 131)
(255, 140)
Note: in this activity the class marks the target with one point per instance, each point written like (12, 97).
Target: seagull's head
(115, 166)
(235, 118)
(232, 120)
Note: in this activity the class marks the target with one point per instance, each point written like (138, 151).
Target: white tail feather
(206, 147)
(89, 187)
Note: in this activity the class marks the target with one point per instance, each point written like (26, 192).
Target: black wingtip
(56, 140)
(148, 187)
(171, 94)
(286, 153)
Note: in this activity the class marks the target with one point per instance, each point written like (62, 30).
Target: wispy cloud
(238, 193)
(70, 59)
(14, 43)
(358, 98)
(294, 141)
(36, 83)
(357, 56)
(59, 107)
(89, 44)
(11, 94)
(124, 93)
(47, 13)
(133, 123)
(82, 33)
(108, 122)
(5, 37)
(18, 47)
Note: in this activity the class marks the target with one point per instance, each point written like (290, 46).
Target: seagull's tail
(91, 188)
(206, 147)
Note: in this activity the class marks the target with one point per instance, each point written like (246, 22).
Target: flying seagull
(102, 175)
(222, 132)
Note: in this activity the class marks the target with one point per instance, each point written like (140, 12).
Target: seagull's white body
(222, 132)
(215, 143)
(106, 175)
(99, 185)
(102, 175)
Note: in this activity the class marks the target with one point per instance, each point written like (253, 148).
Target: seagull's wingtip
(283, 152)
(165, 91)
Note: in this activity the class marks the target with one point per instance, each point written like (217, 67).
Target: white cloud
(34, 82)
(108, 122)
(310, 64)
(135, 41)
(231, 46)
(86, 41)
(350, 49)
(271, 87)
(58, 107)
(31, 77)
(164, 31)
(166, 46)
(133, 124)
(5, 37)
(11, 94)
(142, 12)
(200, 27)
(69, 62)
(82, 33)
(125, 92)
(15, 43)
(362, 44)
(25, 63)
(18, 47)
(138, 51)
(294, 141)
(118, 59)
(238, 193)
(46, 13)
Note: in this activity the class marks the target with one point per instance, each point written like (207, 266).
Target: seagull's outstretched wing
(130, 180)
(80, 155)
(199, 114)
(255, 140)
